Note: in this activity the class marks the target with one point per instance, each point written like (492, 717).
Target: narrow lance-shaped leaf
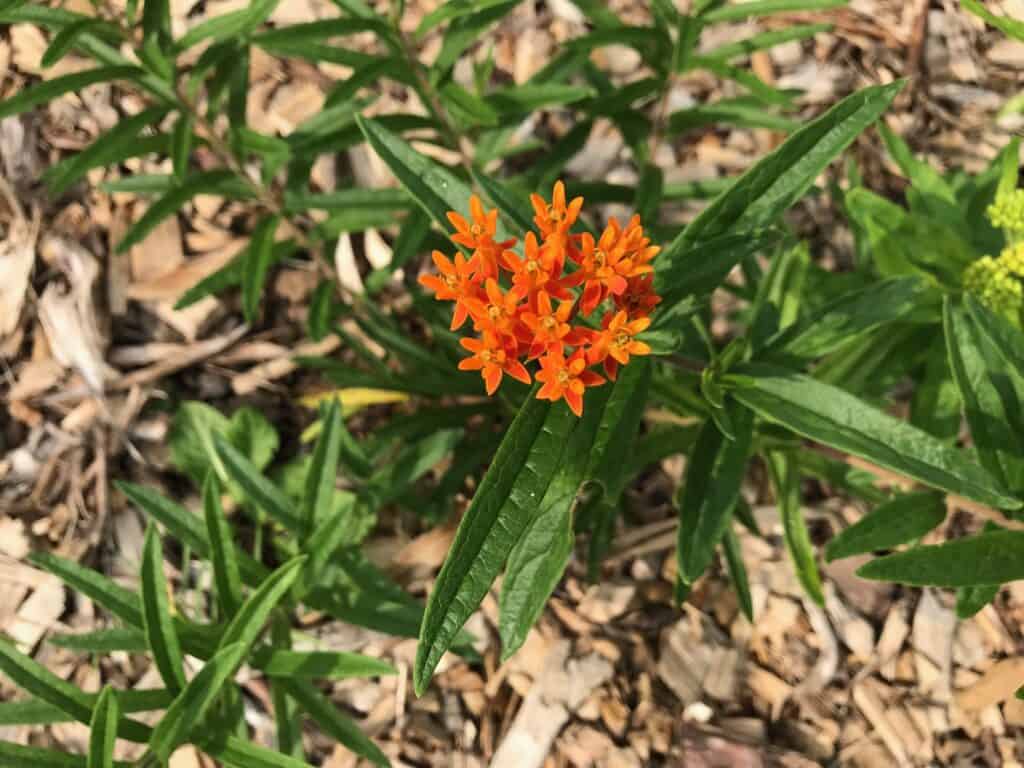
(970, 600)
(333, 722)
(985, 559)
(738, 571)
(206, 182)
(286, 711)
(991, 392)
(120, 141)
(195, 700)
(835, 418)
(323, 471)
(781, 178)
(896, 522)
(240, 753)
(434, 187)
(248, 623)
(537, 561)
(257, 488)
(103, 730)
(37, 680)
(855, 313)
(16, 755)
(523, 467)
(798, 542)
(64, 40)
(48, 90)
(712, 485)
(257, 264)
(181, 144)
(226, 577)
(160, 634)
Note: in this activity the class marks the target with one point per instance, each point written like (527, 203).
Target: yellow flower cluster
(994, 283)
(1007, 211)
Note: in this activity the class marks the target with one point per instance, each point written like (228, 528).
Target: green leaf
(786, 480)
(226, 577)
(431, 185)
(852, 315)
(103, 730)
(64, 40)
(712, 486)
(463, 32)
(326, 665)
(1005, 24)
(778, 180)
(748, 10)
(744, 113)
(992, 393)
(120, 142)
(258, 259)
(935, 406)
(835, 418)
(204, 182)
(156, 616)
(738, 571)
(181, 144)
(531, 97)
(35, 679)
(121, 602)
(257, 489)
(989, 558)
(323, 471)
(104, 640)
(39, 712)
(764, 40)
(901, 520)
(16, 756)
(48, 90)
(608, 466)
(347, 199)
(701, 268)
(247, 624)
(466, 107)
(970, 600)
(238, 753)
(333, 722)
(190, 707)
(519, 476)
(538, 559)
(236, 24)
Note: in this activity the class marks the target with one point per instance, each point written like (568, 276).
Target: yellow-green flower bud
(994, 284)
(1007, 211)
(1012, 258)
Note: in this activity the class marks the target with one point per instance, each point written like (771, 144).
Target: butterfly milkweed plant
(533, 345)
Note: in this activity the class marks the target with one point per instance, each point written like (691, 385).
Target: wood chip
(562, 687)
(996, 685)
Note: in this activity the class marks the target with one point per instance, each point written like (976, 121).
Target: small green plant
(815, 359)
(249, 617)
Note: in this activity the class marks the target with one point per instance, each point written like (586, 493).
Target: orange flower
(492, 359)
(616, 342)
(550, 327)
(454, 284)
(522, 323)
(599, 268)
(480, 237)
(556, 219)
(498, 312)
(639, 300)
(566, 379)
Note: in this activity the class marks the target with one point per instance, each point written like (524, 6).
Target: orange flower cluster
(523, 308)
